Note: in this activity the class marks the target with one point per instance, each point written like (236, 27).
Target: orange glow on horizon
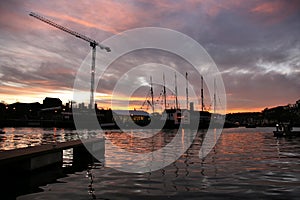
(39, 62)
(119, 102)
(242, 110)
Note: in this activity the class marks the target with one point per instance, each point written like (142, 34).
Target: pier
(42, 156)
(24, 170)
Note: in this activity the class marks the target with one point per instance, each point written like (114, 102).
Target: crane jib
(78, 35)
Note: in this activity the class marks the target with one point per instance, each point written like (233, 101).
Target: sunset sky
(255, 45)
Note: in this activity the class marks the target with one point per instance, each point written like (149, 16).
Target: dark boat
(286, 133)
(285, 130)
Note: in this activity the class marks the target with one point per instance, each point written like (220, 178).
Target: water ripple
(245, 164)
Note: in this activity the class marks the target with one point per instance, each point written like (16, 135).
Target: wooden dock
(36, 157)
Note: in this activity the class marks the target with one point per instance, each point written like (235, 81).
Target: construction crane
(93, 44)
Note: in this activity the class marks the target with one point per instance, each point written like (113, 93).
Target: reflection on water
(245, 164)
(127, 152)
(68, 157)
(25, 137)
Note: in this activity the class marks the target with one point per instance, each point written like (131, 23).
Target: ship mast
(151, 92)
(202, 97)
(176, 94)
(164, 92)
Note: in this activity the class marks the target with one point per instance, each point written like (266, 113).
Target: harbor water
(246, 163)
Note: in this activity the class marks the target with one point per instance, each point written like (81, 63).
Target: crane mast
(93, 44)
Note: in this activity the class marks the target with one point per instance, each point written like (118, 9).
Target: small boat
(285, 130)
(279, 134)
(286, 133)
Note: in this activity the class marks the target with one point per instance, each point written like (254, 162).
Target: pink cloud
(276, 11)
(108, 16)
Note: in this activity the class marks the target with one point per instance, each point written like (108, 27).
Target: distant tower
(192, 106)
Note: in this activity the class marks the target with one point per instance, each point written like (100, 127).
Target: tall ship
(52, 113)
